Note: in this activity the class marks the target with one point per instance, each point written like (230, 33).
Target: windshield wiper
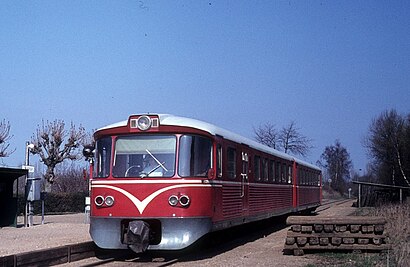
(159, 163)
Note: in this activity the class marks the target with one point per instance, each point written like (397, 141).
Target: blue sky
(330, 66)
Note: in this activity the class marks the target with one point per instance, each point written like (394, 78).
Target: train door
(245, 182)
(295, 185)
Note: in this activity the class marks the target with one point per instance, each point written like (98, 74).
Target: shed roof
(11, 173)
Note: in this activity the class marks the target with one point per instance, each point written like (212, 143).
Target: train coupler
(137, 236)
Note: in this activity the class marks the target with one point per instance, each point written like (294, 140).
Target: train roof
(172, 120)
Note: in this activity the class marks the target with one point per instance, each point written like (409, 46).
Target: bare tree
(288, 140)
(388, 143)
(54, 144)
(292, 141)
(267, 134)
(4, 138)
(337, 164)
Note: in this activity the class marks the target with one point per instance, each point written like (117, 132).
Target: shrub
(58, 203)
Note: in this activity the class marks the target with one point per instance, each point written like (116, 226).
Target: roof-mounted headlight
(144, 123)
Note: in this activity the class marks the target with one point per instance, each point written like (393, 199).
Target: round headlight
(173, 200)
(109, 201)
(184, 200)
(99, 201)
(144, 123)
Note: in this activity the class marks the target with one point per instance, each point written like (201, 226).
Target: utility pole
(29, 205)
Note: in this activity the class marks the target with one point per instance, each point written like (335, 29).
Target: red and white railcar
(162, 182)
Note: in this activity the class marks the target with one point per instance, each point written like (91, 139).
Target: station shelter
(9, 195)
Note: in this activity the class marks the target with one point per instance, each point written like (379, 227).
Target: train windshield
(144, 156)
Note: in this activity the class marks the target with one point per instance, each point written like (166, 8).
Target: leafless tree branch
(54, 144)
(4, 138)
(266, 134)
(292, 141)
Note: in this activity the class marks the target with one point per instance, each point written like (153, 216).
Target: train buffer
(348, 233)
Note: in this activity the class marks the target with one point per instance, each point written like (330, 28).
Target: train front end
(151, 187)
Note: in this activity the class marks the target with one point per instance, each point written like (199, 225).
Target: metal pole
(42, 211)
(401, 195)
(30, 204)
(26, 183)
(17, 197)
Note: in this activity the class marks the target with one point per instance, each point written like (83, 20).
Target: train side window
(103, 155)
(231, 163)
(305, 177)
(272, 171)
(283, 178)
(195, 156)
(299, 176)
(289, 174)
(257, 168)
(219, 161)
(265, 169)
(278, 173)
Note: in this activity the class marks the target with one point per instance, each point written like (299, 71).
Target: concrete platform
(57, 230)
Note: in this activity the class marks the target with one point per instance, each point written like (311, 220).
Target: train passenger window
(219, 161)
(195, 156)
(306, 177)
(272, 171)
(231, 163)
(278, 173)
(289, 174)
(144, 156)
(283, 177)
(265, 169)
(299, 177)
(257, 168)
(103, 157)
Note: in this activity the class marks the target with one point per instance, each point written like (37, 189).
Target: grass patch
(341, 259)
(398, 231)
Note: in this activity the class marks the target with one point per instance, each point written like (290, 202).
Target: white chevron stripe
(141, 205)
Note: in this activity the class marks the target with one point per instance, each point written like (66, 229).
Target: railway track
(328, 204)
(88, 254)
